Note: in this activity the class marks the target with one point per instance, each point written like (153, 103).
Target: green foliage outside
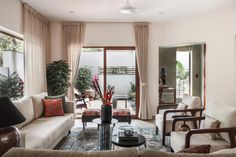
(8, 43)
(182, 73)
(58, 75)
(133, 87)
(11, 86)
(84, 79)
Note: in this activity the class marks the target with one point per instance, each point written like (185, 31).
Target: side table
(105, 133)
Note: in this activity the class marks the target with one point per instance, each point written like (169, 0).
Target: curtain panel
(36, 31)
(141, 42)
(73, 38)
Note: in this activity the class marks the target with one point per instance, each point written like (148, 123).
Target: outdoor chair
(218, 129)
(190, 106)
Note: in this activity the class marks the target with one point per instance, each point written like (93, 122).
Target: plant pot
(106, 113)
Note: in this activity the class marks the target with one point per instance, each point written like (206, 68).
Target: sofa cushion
(20, 152)
(225, 114)
(38, 104)
(181, 106)
(226, 151)
(44, 131)
(178, 141)
(53, 107)
(25, 106)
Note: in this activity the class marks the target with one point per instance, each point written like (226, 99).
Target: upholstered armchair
(218, 129)
(190, 106)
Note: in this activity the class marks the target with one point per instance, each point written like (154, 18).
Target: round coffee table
(117, 142)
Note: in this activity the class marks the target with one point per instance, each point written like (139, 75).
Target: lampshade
(9, 114)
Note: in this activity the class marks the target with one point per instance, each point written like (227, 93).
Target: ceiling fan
(128, 9)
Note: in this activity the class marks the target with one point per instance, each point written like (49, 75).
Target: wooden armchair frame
(168, 106)
(230, 130)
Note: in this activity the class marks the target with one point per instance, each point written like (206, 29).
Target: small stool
(89, 115)
(122, 115)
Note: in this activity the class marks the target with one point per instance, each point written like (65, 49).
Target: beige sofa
(39, 132)
(130, 152)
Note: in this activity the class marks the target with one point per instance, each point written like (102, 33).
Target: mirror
(181, 71)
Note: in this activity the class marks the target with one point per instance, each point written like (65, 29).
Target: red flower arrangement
(106, 99)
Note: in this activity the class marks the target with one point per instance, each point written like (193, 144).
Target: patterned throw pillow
(197, 149)
(212, 123)
(181, 106)
(63, 97)
(53, 107)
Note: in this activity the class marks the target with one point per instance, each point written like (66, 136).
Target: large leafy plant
(11, 86)
(84, 79)
(58, 75)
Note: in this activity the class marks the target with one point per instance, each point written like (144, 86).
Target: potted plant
(11, 86)
(133, 90)
(84, 81)
(58, 75)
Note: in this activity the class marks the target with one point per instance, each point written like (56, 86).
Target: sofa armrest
(69, 107)
(231, 132)
(21, 143)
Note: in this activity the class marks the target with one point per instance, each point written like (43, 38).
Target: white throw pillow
(25, 106)
(212, 123)
(181, 106)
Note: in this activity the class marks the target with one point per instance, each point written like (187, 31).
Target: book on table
(123, 137)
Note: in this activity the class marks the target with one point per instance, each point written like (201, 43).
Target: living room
(178, 26)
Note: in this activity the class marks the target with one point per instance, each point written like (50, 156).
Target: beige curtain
(73, 36)
(141, 43)
(36, 33)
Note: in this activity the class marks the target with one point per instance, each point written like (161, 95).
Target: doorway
(183, 69)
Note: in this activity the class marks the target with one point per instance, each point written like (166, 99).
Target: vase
(106, 113)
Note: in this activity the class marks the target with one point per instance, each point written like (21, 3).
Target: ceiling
(108, 10)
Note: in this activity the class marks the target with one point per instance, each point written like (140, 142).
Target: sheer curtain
(141, 42)
(73, 36)
(36, 32)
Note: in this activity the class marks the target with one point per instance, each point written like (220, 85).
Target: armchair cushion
(178, 141)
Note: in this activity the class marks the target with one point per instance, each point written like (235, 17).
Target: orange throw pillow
(53, 107)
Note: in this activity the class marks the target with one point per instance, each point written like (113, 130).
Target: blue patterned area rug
(87, 140)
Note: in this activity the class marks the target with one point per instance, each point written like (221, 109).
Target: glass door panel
(121, 73)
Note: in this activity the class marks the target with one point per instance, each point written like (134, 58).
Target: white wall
(218, 30)
(96, 34)
(11, 15)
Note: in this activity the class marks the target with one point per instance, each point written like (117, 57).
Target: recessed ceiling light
(71, 12)
(128, 9)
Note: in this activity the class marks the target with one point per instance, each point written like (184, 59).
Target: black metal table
(105, 133)
(141, 141)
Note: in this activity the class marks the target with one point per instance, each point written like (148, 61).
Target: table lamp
(9, 116)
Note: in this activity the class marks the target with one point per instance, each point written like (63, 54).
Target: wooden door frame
(137, 79)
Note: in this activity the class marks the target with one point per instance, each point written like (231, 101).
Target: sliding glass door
(121, 73)
(114, 66)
